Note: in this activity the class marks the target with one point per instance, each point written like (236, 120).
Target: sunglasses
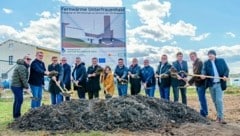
(28, 58)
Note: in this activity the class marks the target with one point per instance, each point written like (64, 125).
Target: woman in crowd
(107, 79)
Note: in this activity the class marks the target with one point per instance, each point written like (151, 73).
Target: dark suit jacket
(222, 69)
(67, 76)
(165, 82)
(93, 83)
(175, 82)
(81, 74)
(53, 88)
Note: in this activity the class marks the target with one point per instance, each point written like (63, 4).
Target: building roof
(39, 47)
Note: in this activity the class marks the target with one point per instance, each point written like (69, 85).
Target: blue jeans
(18, 100)
(203, 101)
(122, 89)
(56, 98)
(183, 94)
(37, 94)
(150, 91)
(217, 97)
(165, 92)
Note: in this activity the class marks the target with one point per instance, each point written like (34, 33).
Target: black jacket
(37, 69)
(67, 76)
(53, 88)
(165, 82)
(136, 71)
(93, 83)
(81, 74)
(222, 69)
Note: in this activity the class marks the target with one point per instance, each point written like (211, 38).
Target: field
(232, 116)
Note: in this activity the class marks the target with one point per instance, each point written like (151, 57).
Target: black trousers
(68, 87)
(81, 92)
(92, 94)
(135, 86)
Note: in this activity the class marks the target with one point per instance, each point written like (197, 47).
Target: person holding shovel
(199, 83)
(178, 83)
(218, 69)
(107, 79)
(56, 81)
(36, 79)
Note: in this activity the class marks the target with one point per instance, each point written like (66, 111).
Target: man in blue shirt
(216, 67)
(121, 74)
(148, 79)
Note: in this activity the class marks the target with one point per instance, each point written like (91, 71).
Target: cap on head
(213, 52)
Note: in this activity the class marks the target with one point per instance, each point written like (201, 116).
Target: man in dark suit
(180, 80)
(79, 75)
(134, 76)
(163, 76)
(55, 81)
(93, 80)
(66, 75)
(216, 67)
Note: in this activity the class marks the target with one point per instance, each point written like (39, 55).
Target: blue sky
(156, 26)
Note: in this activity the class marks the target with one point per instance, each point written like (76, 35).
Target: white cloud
(7, 11)
(143, 50)
(45, 14)
(41, 32)
(152, 14)
(200, 37)
(230, 34)
(93, 2)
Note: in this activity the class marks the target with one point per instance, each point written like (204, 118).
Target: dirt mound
(130, 112)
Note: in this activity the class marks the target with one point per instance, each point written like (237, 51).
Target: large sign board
(90, 32)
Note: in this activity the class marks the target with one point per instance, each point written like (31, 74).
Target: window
(10, 60)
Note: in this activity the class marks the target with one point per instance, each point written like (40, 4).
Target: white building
(11, 51)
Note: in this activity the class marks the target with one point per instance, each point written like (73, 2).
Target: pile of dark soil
(130, 112)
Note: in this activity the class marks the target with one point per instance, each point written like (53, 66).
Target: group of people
(211, 74)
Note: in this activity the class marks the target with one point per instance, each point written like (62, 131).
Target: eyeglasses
(28, 58)
(64, 60)
(54, 60)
